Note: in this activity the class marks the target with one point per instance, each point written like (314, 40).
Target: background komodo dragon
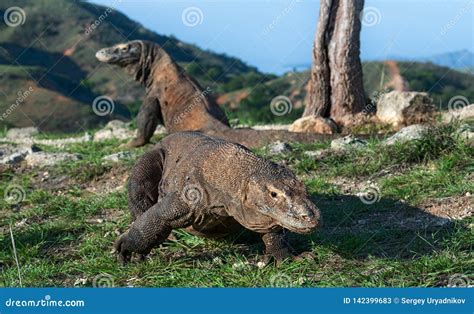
(176, 100)
(214, 188)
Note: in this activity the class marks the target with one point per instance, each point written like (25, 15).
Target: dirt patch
(113, 180)
(107, 215)
(398, 215)
(452, 208)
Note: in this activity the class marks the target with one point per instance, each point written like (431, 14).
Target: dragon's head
(121, 54)
(277, 193)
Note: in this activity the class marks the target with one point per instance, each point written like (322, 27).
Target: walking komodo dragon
(177, 101)
(213, 187)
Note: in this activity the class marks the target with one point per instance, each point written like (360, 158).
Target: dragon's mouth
(104, 56)
(301, 229)
(291, 221)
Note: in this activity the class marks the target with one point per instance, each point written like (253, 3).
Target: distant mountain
(52, 52)
(463, 59)
(459, 60)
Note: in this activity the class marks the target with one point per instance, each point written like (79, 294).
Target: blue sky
(276, 35)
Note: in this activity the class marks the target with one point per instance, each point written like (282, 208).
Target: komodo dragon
(177, 101)
(213, 187)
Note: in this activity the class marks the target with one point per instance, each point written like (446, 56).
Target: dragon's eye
(273, 194)
(124, 49)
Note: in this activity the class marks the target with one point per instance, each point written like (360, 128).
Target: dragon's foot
(136, 142)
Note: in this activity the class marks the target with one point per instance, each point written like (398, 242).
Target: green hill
(56, 38)
(252, 105)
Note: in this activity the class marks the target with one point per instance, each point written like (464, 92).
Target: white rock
(160, 129)
(115, 129)
(14, 154)
(346, 142)
(17, 133)
(398, 108)
(271, 127)
(464, 113)
(279, 147)
(41, 159)
(409, 133)
(117, 157)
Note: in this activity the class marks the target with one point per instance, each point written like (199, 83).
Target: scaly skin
(177, 101)
(213, 188)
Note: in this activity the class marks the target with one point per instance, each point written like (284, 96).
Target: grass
(64, 231)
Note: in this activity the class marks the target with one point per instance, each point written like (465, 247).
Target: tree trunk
(336, 86)
(320, 94)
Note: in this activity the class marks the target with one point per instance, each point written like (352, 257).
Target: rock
(114, 129)
(10, 154)
(117, 157)
(314, 125)
(314, 153)
(160, 129)
(463, 114)
(41, 159)
(466, 133)
(61, 142)
(271, 127)
(402, 108)
(279, 147)
(17, 133)
(409, 133)
(348, 142)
